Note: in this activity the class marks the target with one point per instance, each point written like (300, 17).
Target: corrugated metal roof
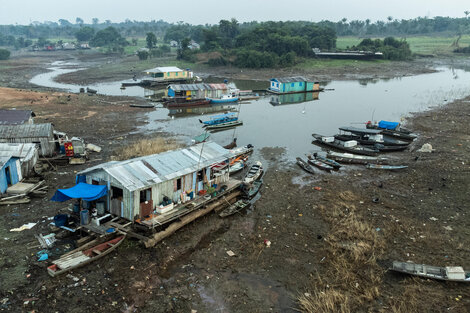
(293, 79)
(164, 69)
(185, 87)
(25, 131)
(15, 117)
(19, 150)
(4, 160)
(149, 170)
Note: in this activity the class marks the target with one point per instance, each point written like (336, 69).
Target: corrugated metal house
(196, 91)
(26, 152)
(10, 172)
(40, 134)
(16, 117)
(137, 186)
(168, 73)
(293, 85)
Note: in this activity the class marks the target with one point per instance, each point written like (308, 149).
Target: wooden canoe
(449, 273)
(305, 166)
(84, 255)
(235, 208)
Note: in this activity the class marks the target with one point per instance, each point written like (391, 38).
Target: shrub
(4, 54)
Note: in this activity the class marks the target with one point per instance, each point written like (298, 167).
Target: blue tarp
(388, 125)
(82, 190)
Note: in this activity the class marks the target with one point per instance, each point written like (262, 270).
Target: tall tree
(151, 40)
(79, 21)
(95, 21)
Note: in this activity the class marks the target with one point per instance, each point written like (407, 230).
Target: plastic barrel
(84, 217)
(100, 207)
(76, 208)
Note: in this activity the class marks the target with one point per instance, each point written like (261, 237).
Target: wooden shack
(297, 84)
(27, 153)
(137, 187)
(197, 91)
(40, 134)
(10, 172)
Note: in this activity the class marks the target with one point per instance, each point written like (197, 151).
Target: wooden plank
(128, 232)
(96, 251)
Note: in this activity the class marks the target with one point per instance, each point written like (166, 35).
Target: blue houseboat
(221, 119)
(297, 84)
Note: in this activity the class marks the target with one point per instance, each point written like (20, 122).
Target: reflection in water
(188, 111)
(293, 98)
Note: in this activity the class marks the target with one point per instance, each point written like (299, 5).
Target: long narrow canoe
(327, 161)
(449, 273)
(354, 158)
(386, 167)
(83, 256)
(235, 208)
(340, 145)
(305, 166)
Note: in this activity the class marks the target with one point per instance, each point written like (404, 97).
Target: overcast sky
(211, 11)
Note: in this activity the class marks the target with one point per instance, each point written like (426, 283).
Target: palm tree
(466, 13)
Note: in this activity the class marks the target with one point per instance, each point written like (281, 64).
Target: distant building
(40, 134)
(84, 46)
(194, 45)
(197, 91)
(16, 117)
(137, 187)
(168, 73)
(68, 46)
(295, 84)
(174, 44)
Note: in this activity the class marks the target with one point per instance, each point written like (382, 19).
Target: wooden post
(152, 241)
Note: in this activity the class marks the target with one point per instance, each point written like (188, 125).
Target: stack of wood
(37, 190)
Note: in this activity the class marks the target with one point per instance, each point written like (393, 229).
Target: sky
(212, 11)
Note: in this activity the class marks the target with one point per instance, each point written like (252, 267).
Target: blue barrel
(61, 220)
(84, 217)
(85, 204)
(76, 208)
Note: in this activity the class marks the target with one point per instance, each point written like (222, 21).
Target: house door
(8, 175)
(146, 203)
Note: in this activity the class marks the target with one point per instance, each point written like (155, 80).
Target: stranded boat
(255, 172)
(250, 192)
(392, 129)
(327, 161)
(235, 208)
(354, 158)
(224, 99)
(369, 137)
(449, 273)
(83, 255)
(385, 167)
(320, 164)
(348, 146)
(305, 166)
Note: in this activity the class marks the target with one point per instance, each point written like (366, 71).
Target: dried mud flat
(329, 249)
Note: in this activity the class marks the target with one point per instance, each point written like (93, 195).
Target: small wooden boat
(320, 165)
(142, 105)
(231, 145)
(186, 103)
(348, 146)
(255, 172)
(305, 166)
(392, 129)
(369, 137)
(386, 167)
(449, 273)
(245, 150)
(251, 190)
(224, 125)
(92, 91)
(350, 158)
(384, 148)
(224, 99)
(83, 255)
(220, 119)
(330, 162)
(235, 208)
(237, 166)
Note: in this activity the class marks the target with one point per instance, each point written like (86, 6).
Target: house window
(292, 85)
(178, 184)
(145, 195)
(116, 193)
(176, 74)
(277, 84)
(300, 84)
(168, 74)
(200, 175)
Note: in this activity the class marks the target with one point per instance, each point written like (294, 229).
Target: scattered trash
(375, 200)
(42, 255)
(93, 147)
(317, 188)
(427, 148)
(432, 218)
(73, 277)
(230, 253)
(377, 229)
(132, 267)
(267, 243)
(46, 241)
(25, 226)
(448, 228)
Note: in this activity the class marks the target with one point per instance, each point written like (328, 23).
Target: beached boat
(250, 190)
(449, 273)
(330, 162)
(224, 125)
(369, 137)
(348, 146)
(242, 151)
(237, 165)
(173, 103)
(385, 167)
(354, 158)
(224, 99)
(235, 208)
(91, 91)
(83, 255)
(142, 105)
(255, 172)
(392, 129)
(231, 145)
(305, 166)
(320, 165)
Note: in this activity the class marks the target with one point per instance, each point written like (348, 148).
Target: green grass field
(418, 44)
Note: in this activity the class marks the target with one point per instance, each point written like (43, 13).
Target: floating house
(10, 172)
(40, 134)
(197, 91)
(295, 84)
(293, 98)
(16, 117)
(167, 74)
(137, 187)
(27, 153)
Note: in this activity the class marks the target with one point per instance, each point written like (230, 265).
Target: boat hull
(228, 100)
(337, 146)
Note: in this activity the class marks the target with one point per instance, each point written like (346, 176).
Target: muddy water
(289, 121)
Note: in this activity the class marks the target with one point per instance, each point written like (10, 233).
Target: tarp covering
(82, 190)
(388, 125)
